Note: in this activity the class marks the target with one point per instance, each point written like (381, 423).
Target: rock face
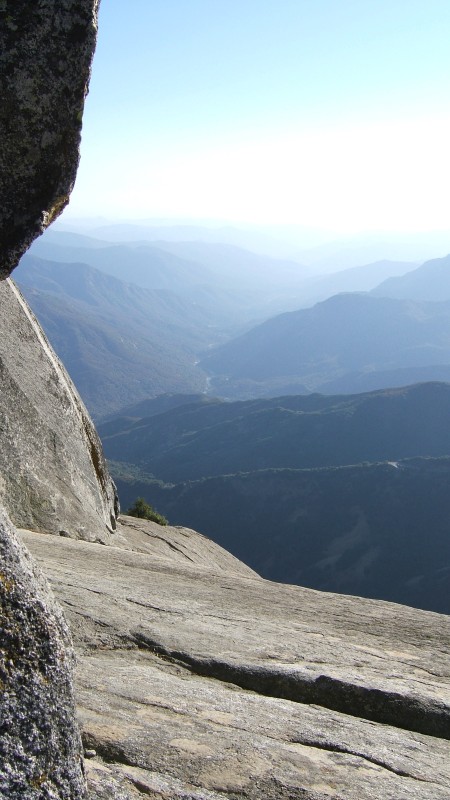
(198, 679)
(53, 473)
(45, 55)
(40, 748)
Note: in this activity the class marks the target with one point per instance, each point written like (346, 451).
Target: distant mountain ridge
(252, 286)
(430, 281)
(362, 278)
(158, 263)
(319, 249)
(142, 264)
(346, 334)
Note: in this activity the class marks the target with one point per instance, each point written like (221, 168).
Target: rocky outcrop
(198, 679)
(45, 55)
(40, 747)
(53, 473)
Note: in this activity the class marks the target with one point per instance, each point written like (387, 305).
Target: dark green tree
(144, 510)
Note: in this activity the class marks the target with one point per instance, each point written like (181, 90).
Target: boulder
(40, 747)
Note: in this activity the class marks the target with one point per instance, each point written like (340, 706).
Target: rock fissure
(335, 748)
(389, 708)
(84, 588)
(152, 607)
(174, 547)
(109, 751)
(98, 622)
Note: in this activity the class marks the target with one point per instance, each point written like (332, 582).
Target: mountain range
(177, 303)
(355, 279)
(320, 249)
(179, 265)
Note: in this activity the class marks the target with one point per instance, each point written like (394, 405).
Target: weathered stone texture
(40, 748)
(46, 49)
(53, 473)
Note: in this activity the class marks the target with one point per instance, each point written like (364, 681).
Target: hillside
(208, 437)
(347, 334)
(430, 281)
(118, 341)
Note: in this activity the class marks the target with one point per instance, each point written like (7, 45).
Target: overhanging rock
(45, 55)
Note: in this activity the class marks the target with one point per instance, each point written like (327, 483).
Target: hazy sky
(329, 113)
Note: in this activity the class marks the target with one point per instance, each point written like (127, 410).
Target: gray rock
(53, 473)
(45, 55)
(197, 678)
(40, 747)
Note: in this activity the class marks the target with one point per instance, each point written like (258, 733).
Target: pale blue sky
(315, 112)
